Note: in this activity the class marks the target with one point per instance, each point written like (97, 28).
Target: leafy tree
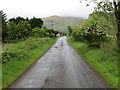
(38, 32)
(19, 31)
(44, 32)
(12, 20)
(27, 19)
(107, 24)
(4, 25)
(24, 29)
(78, 35)
(52, 32)
(90, 32)
(93, 34)
(12, 31)
(70, 30)
(112, 7)
(17, 20)
(36, 22)
(55, 32)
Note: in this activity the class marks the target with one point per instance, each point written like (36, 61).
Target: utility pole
(52, 24)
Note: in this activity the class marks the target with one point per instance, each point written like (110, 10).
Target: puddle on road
(55, 46)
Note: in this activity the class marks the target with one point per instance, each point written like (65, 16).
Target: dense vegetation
(20, 56)
(96, 41)
(20, 28)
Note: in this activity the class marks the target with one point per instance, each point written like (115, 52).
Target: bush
(18, 31)
(17, 51)
(70, 30)
(90, 33)
(36, 22)
(44, 32)
(93, 35)
(38, 32)
(78, 35)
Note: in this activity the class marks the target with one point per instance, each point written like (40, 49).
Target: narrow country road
(60, 67)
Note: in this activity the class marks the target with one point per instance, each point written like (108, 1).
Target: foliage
(38, 32)
(51, 32)
(114, 8)
(44, 32)
(70, 30)
(24, 28)
(104, 6)
(18, 31)
(16, 20)
(4, 25)
(77, 32)
(91, 32)
(36, 22)
(106, 21)
(78, 35)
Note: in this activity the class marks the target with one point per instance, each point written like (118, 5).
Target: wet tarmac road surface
(60, 67)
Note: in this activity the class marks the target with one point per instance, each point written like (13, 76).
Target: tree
(117, 15)
(17, 20)
(19, 31)
(93, 33)
(27, 19)
(4, 25)
(70, 30)
(105, 21)
(38, 32)
(24, 29)
(52, 32)
(12, 31)
(36, 22)
(112, 7)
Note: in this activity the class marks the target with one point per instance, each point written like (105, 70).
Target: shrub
(38, 32)
(93, 35)
(90, 33)
(18, 31)
(17, 51)
(77, 35)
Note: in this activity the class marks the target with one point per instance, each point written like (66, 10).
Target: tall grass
(20, 56)
(105, 61)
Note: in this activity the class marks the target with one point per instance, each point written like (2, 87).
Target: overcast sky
(45, 8)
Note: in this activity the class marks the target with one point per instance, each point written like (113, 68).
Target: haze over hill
(60, 23)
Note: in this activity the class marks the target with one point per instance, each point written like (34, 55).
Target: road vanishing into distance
(60, 67)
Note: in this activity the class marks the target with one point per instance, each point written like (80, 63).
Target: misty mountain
(60, 23)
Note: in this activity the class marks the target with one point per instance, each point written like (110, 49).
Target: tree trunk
(117, 15)
(118, 36)
(118, 21)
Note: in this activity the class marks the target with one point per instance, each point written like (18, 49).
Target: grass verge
(19, 57)
(104, 61)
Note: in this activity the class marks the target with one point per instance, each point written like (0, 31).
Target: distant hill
(60, 23)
